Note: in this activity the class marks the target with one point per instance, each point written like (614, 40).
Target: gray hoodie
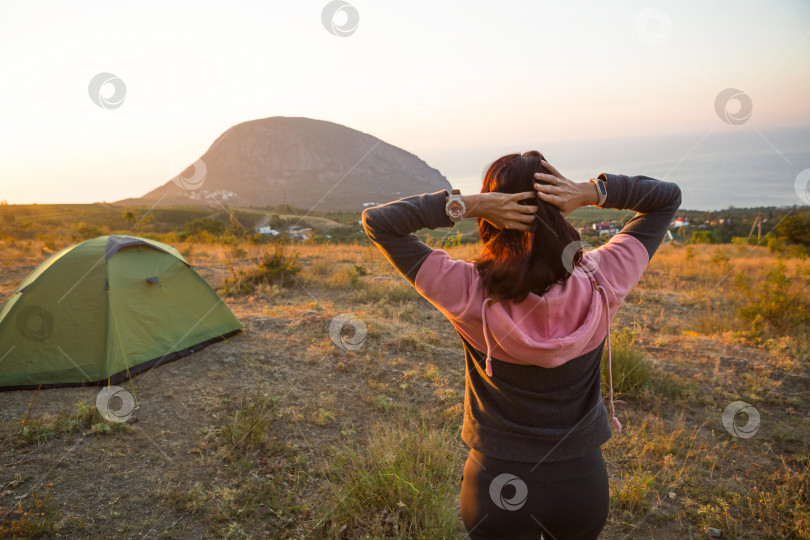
(533, 377)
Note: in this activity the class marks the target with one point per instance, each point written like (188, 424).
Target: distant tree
(86, 231)
(276, 222)
(135, 221)
(795, 229)
(212, 226)
(703, 237)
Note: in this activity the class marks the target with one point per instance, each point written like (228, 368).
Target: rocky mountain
(311, 164)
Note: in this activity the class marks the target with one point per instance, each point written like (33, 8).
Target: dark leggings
(563, 500)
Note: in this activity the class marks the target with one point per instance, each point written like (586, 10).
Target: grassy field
(281, 433)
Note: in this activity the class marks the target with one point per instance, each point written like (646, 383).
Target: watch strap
(601, 190)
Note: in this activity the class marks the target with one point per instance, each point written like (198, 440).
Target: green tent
(103, 309)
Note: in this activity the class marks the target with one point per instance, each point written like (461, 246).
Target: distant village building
(296, 232)
(606, 228)
(204, 194)
(680, 222)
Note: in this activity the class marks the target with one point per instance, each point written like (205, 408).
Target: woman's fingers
(550, 198)
(528, 209)
(552, 181)
(526, 218)
(543, 191)
(555, 178)
(523, 195)
(551, 168)
(522, 222)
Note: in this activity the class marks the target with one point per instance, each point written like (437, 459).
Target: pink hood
(549, 330)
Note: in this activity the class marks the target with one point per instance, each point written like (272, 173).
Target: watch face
(455, 209)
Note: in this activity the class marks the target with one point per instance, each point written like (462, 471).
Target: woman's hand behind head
(562, 192)
(513, 263)
(503, 210)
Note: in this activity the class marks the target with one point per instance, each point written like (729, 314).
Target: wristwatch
(601, 189)
(455, 207)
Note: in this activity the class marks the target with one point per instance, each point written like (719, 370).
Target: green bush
(795, 229)
(85, 419)
(775, 244)
(249, 430)
(703, 237)
(742, 241)
(273, 268)
(631, 369)
(196, 229)
(776, 305)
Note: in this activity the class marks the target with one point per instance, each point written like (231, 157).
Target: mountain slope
(311, 164)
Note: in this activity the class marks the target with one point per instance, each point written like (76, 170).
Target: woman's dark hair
(514, 263)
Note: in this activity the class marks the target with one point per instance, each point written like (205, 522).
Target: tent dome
(103, 309)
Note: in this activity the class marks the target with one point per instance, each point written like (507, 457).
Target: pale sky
(438, 79)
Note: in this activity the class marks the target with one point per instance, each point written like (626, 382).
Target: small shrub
(248, 431)
(776, 305)
(273, 268)
(741, 243)
(631, 369)
(38, 517)
(720, 258)
(85, 419)
(630, 497)
(381, 402)
(775, 244)
(321, 268)
(85, 231)
(344, 278)
(238, 252)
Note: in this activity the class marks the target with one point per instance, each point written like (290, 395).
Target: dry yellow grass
(674, 470)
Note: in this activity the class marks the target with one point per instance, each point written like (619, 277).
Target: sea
(715, 169)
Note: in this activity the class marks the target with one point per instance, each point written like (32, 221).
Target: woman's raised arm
(655, 201)
(391, 226)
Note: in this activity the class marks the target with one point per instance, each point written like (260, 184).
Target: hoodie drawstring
(615, 420)
(486, 336)
(616, 423)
